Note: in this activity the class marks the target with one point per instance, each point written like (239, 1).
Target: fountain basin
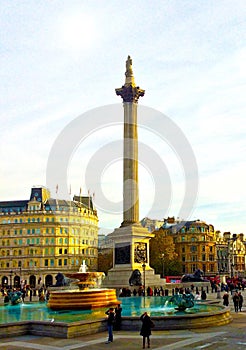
(37, 319)
(86, 299)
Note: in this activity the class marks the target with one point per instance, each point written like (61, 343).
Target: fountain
(86, 294)
(37, 319)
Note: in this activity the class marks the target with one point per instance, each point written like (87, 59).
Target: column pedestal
(130, 251)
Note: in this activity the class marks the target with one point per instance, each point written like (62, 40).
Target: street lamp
(162, 257)
(144, 266)
(11, 274)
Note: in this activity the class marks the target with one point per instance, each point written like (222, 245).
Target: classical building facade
(231, 254)
(199, 246)
(195, 243)
(42, 236)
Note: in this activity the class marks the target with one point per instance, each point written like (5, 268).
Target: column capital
(129, 91)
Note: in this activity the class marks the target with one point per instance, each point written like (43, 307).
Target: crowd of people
(26, 292)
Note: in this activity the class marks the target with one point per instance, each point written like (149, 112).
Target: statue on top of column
(129, 71)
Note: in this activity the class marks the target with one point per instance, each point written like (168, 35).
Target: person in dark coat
(203, 295)
(236, 301)
(146, 328)
(226, 299)
(240, 303)
(110, 323)
(117, 324)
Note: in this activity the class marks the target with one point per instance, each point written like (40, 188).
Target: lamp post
(11, 274)
(144, 266)
(20, 276)
(163, 266)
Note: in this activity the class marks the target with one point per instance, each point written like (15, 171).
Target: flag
(56, 188)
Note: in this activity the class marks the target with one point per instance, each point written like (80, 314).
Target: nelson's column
(131, 240)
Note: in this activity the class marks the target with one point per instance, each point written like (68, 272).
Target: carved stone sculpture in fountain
(182, 301)
(86, 294)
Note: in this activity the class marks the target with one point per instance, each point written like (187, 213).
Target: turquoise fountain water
(132, 306)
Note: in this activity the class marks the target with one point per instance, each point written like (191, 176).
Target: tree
(105, 260)
(163, 257)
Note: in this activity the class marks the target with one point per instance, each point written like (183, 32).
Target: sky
(61, 62)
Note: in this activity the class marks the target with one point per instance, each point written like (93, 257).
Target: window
(46, 262)
(193, 248)
(60, 250)
(65, 262)
(60, 262)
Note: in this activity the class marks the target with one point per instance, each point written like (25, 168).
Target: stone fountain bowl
(85, 276)
(82, 299)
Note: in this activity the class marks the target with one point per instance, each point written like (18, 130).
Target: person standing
(147, 324)
(226, 299)
(110, 322)
(117, 324)
(236, 301)
(203, 295)
(240, 303)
